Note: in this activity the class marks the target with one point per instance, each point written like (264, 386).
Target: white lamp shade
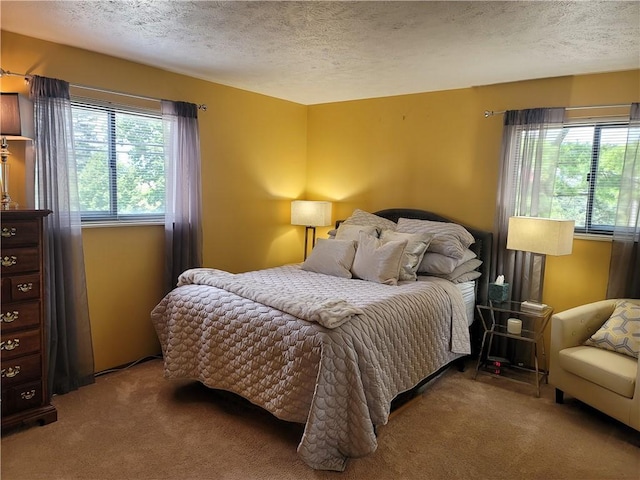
(310, 213)
(540, 235)
(16, 117)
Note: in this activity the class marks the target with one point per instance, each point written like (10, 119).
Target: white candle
(514, 326)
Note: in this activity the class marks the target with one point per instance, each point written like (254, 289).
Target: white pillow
(360, 217)
(331, 257)
(377, 261)
(438, 264)
(417, 244)
(462, 269)
(351, 232)
(467, 277)
(449, 239)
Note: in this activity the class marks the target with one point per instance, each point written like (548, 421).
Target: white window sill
(593, 237)
(121, 224)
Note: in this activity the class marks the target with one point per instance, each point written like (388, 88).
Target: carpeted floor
(133, 424)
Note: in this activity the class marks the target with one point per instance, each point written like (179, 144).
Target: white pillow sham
(462, 269)
(417, 244)
(377, 261)
(331, 257)
(467, 277)
(351, 232)
(449, 239)
(438, 264)
(360, 217)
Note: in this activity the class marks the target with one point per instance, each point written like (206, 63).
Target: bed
(319, 349)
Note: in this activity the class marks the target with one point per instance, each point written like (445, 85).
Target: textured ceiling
(316, 52)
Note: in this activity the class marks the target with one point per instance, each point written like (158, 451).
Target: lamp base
(531, 305)
(306, 239)
(5, 203)
(8, 204)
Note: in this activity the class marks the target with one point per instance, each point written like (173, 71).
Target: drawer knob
(24, 287)
(10, 344)
(10, 372)
(9, 260)
(9, 317)
(8, 232)
(28, 395)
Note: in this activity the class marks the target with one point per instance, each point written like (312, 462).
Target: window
(120, 162)
(587, 177)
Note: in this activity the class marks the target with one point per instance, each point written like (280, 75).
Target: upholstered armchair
(604, 372)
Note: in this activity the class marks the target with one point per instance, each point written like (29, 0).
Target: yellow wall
(436, 151)
(253, 163)
(433, 150)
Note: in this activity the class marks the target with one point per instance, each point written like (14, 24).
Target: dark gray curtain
(183, 206)
(624, 271)
(70, 351)
(530, 148)
(529, 156)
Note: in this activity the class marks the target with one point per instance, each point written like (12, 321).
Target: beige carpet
(133, 424)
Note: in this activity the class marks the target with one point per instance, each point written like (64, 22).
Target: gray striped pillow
(360, 217)
(449, 239)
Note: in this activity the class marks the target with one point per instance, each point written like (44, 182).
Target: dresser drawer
(25, 398)
(16, 316)
(15, 344)
(19, 260)
(19, 232)
(19, 370)
(22, 397)
(23, 287)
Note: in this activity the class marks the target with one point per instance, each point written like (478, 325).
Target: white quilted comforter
(261, 335)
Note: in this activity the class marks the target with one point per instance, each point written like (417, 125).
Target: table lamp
(311, 214)
(541, 237)
(16, 123)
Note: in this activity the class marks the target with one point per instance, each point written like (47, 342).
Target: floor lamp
(311, 214)
(540, 237)
(16, 123)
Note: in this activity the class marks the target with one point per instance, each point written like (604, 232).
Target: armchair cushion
(613, 371)
(621, 332)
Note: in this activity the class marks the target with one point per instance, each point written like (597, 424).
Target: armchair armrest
(574, 326)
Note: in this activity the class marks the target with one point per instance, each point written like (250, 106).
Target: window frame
(589, 230)
(113, 217)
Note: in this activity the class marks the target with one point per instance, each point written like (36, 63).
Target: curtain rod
(490, 113)
(26, 76)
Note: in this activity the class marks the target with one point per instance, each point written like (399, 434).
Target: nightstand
(494, 318)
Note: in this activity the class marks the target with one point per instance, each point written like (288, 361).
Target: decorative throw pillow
(331, 257)
(360, 217)
(438, 264)
(352, 232)
(417, 244)
(377, 261)
(621, 332)
(449, 239)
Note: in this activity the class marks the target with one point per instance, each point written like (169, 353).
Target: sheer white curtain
(530, 149)
(70, 351)
(183, 206)
(624, 272)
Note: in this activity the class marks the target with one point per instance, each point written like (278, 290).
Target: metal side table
(494, 321)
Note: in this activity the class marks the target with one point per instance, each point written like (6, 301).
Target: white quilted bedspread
(338, 379)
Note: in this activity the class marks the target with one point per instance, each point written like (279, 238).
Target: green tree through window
(587, 177)
(120, 162)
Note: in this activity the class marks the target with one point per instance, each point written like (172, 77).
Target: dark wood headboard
(482, 246)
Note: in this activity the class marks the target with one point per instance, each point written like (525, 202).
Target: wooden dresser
(22, 349)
